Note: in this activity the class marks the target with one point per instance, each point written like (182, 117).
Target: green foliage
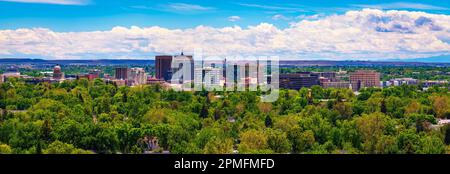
(59, 147)
(301, 141)
(5, 149)
(278, 141)
(431, 145)
(253, 141)
(84, 116)
(219, 146)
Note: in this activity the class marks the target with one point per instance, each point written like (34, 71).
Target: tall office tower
(183, 57)
(57, 73)
(364, 78)
(298, 80)
(122, 73)
(209, 77)
(137, 76)
(241, 72)
(163, 68)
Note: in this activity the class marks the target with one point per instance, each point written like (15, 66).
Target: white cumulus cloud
(234, 18)
(188, 7)
(280, 17)
(364, 35)
(402, 5)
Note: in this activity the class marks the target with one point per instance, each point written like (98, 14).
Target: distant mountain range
(432, 61)
(82, 62)
(437, 59)
(359, 63)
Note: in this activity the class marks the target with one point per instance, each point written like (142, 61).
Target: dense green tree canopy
(96, 117)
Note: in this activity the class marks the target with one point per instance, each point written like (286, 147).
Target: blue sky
(88, 15)
(290, 29)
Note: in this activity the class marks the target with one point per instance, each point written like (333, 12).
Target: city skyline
(147, 108)
(311, 30)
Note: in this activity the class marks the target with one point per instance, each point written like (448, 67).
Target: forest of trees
(84, 117)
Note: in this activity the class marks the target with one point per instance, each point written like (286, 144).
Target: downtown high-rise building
(137, 76)
(121, 73)
(364, 78)
(209, 77)
(163, 66)
(131, 76)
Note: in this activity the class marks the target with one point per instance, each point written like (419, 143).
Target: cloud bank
(367, 34)
(402, 5)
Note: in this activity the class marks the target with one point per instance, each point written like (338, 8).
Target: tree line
(81, 116)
